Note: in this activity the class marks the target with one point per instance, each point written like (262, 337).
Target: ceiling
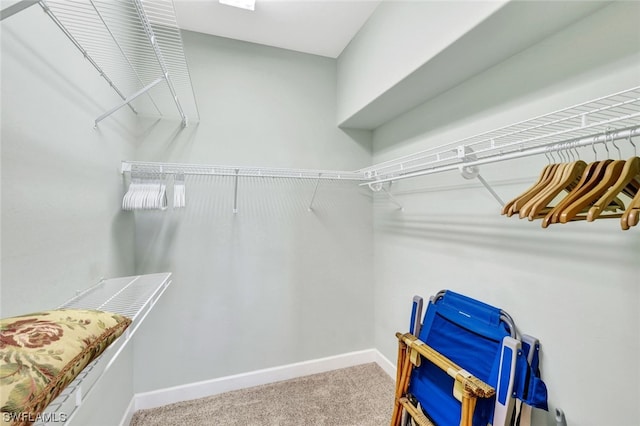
(319, 27)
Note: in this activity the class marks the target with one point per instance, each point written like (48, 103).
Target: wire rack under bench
(133, 297)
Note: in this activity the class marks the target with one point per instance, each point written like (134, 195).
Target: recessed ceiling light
(242, 4)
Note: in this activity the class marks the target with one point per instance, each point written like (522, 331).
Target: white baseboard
(384, 363)
(128, 415)
(205, 388)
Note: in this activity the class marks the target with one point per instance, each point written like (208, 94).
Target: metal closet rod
(557, 146)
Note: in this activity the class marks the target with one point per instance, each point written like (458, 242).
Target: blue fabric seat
(480, 341)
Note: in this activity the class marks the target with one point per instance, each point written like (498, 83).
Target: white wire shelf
(133, 297)
(600, 121)
(606, 119)
(151, 168)
(135, 45)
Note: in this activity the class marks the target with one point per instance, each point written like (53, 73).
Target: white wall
(273, 284)
(574, 286)
(62, 228)
(397, 39)
(409, 52)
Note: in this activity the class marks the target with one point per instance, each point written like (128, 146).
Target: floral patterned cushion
(41, 353)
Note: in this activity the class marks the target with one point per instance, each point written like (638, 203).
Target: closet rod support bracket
(127, 101)
(235, 192)
(490, 189)
(393, 199)
(379, 186)
(473, 172)
(315, 191)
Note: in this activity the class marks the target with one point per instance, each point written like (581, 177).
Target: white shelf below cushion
(133, 297)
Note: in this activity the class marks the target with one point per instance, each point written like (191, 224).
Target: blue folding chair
(465, 365)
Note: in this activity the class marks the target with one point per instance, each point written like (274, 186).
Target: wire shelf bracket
(128, 101)
(315, 191)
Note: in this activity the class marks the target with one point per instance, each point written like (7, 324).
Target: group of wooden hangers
(591, 190)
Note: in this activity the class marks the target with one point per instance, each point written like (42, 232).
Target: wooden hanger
(570, 176)
(513, 206)
(587, 177)
(630, 171)
(551, 176)
(631, 216)
(611, 175)
(552, 182)
(554, 176)
(590, 178)
(632, 187)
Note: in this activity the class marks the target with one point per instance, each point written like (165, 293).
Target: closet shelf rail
(133, 297)
(602, 120)
(151, 168)
(134, 45)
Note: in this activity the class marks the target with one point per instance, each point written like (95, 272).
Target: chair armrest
(416, 414)
(471, 384)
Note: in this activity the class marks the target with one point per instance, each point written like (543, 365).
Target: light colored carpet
(354, 396)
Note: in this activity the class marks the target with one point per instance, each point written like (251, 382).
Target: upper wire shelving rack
(155, 168)
(134, 45)
(602, 120)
